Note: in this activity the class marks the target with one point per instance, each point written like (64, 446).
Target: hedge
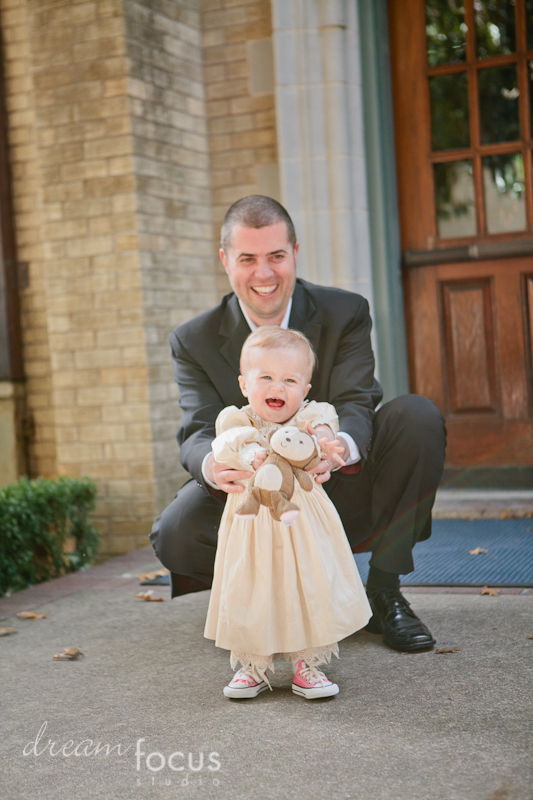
(37, 519)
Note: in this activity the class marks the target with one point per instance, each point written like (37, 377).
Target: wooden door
(463, 90)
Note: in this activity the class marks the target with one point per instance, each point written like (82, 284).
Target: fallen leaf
(148, 596)
(149, 576)
(494, 592)
(477, 551)
(30, 615)
(68, 654)
(448, 650)
(7, 631)
(530, 637)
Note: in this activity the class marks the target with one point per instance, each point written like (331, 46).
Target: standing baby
(288, 586)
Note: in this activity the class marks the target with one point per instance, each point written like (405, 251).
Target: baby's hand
(332, 450)
(260, 457)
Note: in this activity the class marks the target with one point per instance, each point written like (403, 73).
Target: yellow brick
(143, 471)
(66, 229)
(76, 452)
(87, 359)
(75, 378)
(120, 166)
(124, 376)
(125, 414)
(67, 435)
(84, 339)
(106, 148)
(116, 87)
(96, 245)
(102, 433)
(84, 170)
(127, 242)
(120, 337)
(139, 433)
(78, 416)
(105, 187)
(100, 395)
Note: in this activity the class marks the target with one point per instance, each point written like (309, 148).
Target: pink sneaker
(246, 683)
(310, 682)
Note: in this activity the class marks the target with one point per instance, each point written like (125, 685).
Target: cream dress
(277, 589)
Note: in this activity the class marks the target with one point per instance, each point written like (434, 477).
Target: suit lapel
(303, 310)
(234, 329)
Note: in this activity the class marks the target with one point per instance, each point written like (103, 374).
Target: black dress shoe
(394, 617)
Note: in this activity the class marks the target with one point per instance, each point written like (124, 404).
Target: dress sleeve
(238, 441)
(318, 414)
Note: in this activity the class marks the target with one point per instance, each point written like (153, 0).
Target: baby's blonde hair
(271, 337)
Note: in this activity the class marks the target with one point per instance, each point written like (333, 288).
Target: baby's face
(275, 383)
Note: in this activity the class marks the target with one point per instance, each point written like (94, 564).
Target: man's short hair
(255, 211)
(272, 337)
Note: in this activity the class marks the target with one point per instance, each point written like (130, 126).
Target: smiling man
(394, 456)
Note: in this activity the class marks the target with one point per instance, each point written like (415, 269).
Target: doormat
(444, 558)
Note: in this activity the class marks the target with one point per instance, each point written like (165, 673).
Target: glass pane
(529, 24)
(449, 111)
(446, 31)
(495, 27)
(498, 104)
(454, 199)
(505, 201)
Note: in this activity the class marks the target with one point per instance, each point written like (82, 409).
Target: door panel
(469, 346)
(462, 83)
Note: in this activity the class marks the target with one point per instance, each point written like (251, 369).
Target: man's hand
(336, 452)
(224, 477)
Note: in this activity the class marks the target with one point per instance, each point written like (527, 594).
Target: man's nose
(263, 269)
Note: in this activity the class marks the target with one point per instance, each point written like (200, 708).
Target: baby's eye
(291, 380)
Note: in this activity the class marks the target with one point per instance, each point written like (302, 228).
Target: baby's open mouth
(275, 402)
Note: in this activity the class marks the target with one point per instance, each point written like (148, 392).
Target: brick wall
(171, 164)
(240, 104)
(27, 191)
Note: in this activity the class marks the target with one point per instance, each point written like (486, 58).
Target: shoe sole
(244, 694)
(409, 648)
(314, 694)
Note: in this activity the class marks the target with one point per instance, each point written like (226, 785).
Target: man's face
(261, 267)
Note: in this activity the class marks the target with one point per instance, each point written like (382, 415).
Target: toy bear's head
(295, 446)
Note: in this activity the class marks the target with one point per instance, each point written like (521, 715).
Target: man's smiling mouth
(275, 402)
(265, 290)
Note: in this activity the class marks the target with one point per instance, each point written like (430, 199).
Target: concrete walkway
(423, 726)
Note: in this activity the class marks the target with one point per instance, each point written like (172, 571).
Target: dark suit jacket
(206, 352)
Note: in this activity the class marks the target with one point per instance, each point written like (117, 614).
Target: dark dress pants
(385, 508)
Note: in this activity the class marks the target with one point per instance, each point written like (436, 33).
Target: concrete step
(483, 503)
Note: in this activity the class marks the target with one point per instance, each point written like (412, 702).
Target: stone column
(320, 138)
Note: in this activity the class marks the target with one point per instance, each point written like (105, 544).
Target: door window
(480, 85)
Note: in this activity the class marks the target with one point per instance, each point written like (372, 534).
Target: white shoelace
(250, 672)
(310, 671)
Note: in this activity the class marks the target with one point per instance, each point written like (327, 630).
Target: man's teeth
(265, 289)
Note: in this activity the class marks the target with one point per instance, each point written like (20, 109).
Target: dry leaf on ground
(148, 596)
(487, 590)
(68, 654)
(7, 631)
(30, 615)
(530, 637)
(150, 576)
(448, 650)
(477, 551)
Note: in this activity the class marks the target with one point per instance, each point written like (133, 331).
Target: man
(394, 457)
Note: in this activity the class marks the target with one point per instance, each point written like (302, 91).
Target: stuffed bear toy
(292, 453)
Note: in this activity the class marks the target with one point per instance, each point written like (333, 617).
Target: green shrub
(39, 521)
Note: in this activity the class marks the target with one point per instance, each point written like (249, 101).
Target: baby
(277, 590)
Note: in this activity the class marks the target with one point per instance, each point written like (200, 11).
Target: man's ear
(242, 384)
(223, 258)
(295, 251)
